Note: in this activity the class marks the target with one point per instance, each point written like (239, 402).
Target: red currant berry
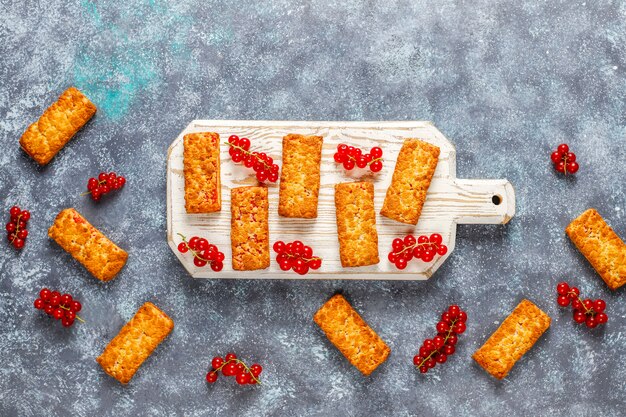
(423, 369)
(18, 243)
(563, 300)
(591, 322)
(442, 358)
(307, 252)
(261, 176)
(39, 304)
(602, 318)
(15, 211)
(199, 262)
(443, 327)
(452, 340)
(429, 345)
(66, 322)
(10, 227)
(44, 294)
(217, 266)
(315, 263)
(436, 239)
(422, 239)
(92, 184)
(182, 247)
(217, 362)
(572, 167)
(599, 306)
(588, 304)
(256, 369)
(229, 369)
(70, 315)
(121, 181)
(211, 377)
(401, 263)
(442, 250)
(230, 357)
(376, 166)
(202, 245)
(438, 341)
(272, 177)
(361, 162)
(577, 304)
(102, 177)
(417, 360)
(562, 288)
(348, 164)
(66, 300)
(76, 306)
(579, 317)
(571, 157)
(392, 257)
(560, 167)
(397, 245)
(49, 309)
(58, 313)
(55, 299)
(22, 234)
(233, 138)
(556, 156)
(244, 143)
(462, 316)
(237, 157)
(448, 350)
(563, 149)
(445, 317)
(339, 158)
(409, 240)
(376, 152)
(459, 327)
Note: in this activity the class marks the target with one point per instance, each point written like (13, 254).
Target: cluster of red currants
(97, 187)
(424, 248)
(350, 157)
(296, 256)
(585, 311)
(231, 366)
(203, 252)
(437, 349)
(564, 161)
(263, 165)
(61, 307)
(16, 227)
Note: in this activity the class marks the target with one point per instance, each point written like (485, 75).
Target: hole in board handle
(496, 200)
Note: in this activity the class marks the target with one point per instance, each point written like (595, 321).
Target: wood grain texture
(449, 201)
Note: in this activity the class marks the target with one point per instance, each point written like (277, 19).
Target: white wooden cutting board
(450, 201)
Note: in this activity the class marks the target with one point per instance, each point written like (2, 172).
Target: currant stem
(79, 319)
(414, 246)
(244, 365)
(369, 163)
(249, 153)
(437, 349)
(587, 310)
(17, 227)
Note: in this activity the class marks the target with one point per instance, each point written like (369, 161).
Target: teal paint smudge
(116, 67)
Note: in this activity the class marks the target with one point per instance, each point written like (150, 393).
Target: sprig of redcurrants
(437, 349)
(105, 183)
(297, 256)
(60, 307)
(564, 161)
(16, 227)
(263, 165)
(203, 252)
(424, 248)
(585, 311)
(231, 366)
(350, 157)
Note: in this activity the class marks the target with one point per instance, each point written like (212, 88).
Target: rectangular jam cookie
(201, 161)
(602, 247)
(57, 125)
(300, 176)
(356, 223)
(135, 342)
(249, 235)
(103, 258)
(515, 336)
(351, 335)
(414, 170)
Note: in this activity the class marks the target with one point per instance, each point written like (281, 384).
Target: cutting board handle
(484, 201)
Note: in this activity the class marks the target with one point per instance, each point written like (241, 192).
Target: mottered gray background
(505, 81)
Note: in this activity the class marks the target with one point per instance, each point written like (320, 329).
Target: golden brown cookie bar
(103, 258)
(57, 125)
(135, 342)
(300, 176)
(515, 336)
(201, 161)
(602, 247)
(351, 335)
(356, 223)
(411, 178)
(249, 235)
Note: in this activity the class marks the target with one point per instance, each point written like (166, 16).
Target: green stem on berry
(436, 350)
(79, 319)
(244, 365)
(267, 167)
